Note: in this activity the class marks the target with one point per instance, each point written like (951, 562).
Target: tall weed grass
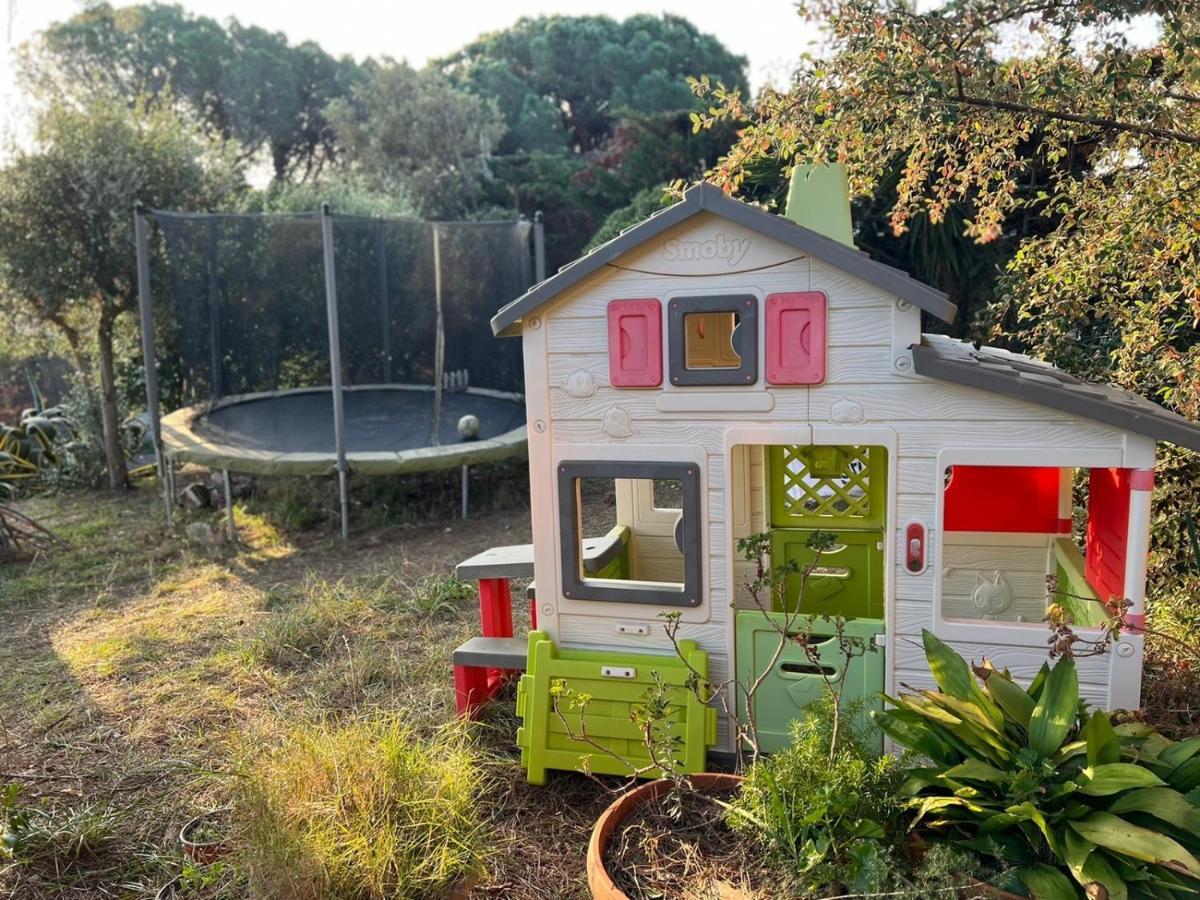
(363, 811)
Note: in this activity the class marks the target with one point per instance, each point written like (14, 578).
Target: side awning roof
(1014, 375)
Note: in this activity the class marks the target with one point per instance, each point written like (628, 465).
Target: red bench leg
(495, 608)
(471, 689)
(496, 619)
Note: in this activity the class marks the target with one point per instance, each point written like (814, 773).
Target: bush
(823, 817)
(1030, 779)
(362, 810)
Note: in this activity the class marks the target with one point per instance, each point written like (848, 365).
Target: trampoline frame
(175, 440)
(182, 443)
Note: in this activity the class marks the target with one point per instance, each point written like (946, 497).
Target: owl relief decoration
(991, 596)
(617, 424)
(580, 384)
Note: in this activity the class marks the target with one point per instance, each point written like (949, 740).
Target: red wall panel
(796, 338)
(1002, 498)
(1107, 532)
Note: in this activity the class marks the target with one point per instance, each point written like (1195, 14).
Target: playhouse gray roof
(705, 197)
(1025, 378)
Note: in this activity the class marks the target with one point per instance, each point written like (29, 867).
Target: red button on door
(914, 548)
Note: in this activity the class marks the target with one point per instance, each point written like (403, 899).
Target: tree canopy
(412, 131)
(565, 81)
(569, 115)
(243, 83)
(595, 110)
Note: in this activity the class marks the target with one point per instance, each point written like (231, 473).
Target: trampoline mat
(376, 420)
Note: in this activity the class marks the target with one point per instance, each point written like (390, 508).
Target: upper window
(708, 340)
(713, 340)
(611, 553)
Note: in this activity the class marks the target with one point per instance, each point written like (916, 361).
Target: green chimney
(819, 198)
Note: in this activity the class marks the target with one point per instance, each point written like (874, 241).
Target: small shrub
(362, 811)
(823, 816)
(438, 595)
(32, 834)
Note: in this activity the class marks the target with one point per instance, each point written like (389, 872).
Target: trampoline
(388, 431)
(315, 344)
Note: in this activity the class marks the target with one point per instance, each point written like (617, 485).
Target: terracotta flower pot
(201, 852)
(610, 821)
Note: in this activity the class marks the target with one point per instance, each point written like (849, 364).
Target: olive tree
(67, 254)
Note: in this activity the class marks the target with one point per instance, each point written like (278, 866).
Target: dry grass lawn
(138, 675)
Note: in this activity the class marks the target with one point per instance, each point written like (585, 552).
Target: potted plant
(1060, 800)
(707, 804)
(203, 839)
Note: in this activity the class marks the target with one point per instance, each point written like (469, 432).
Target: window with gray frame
(599, 566)
(713, 340)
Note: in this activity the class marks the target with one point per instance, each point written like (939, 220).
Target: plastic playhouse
(718, 371)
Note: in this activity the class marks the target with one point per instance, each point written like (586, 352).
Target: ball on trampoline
(468, 427)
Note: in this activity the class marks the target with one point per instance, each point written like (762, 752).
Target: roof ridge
(707, 197)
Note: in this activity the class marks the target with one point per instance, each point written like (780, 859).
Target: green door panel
(848, 581)
(794, 682)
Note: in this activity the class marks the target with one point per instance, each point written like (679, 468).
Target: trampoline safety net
(239, 303)
(313, 343)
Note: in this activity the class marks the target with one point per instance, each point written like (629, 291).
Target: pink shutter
(635, 343)
(796, 338)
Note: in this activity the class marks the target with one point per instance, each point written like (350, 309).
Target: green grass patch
(364, 810)
(304, 626)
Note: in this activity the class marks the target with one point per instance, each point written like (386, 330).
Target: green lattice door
(828, 487)
(842, 490)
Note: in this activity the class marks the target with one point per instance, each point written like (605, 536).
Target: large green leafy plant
(1071, 804)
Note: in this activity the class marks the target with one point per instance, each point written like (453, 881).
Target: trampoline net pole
(439, 341)
(146, 312)
(335, 365)
(539, 248)
(214, 311)
(227, 483)
(384, 301)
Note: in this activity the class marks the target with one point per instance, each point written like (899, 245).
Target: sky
(767, 32)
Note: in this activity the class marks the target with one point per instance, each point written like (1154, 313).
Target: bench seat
(493, 653)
